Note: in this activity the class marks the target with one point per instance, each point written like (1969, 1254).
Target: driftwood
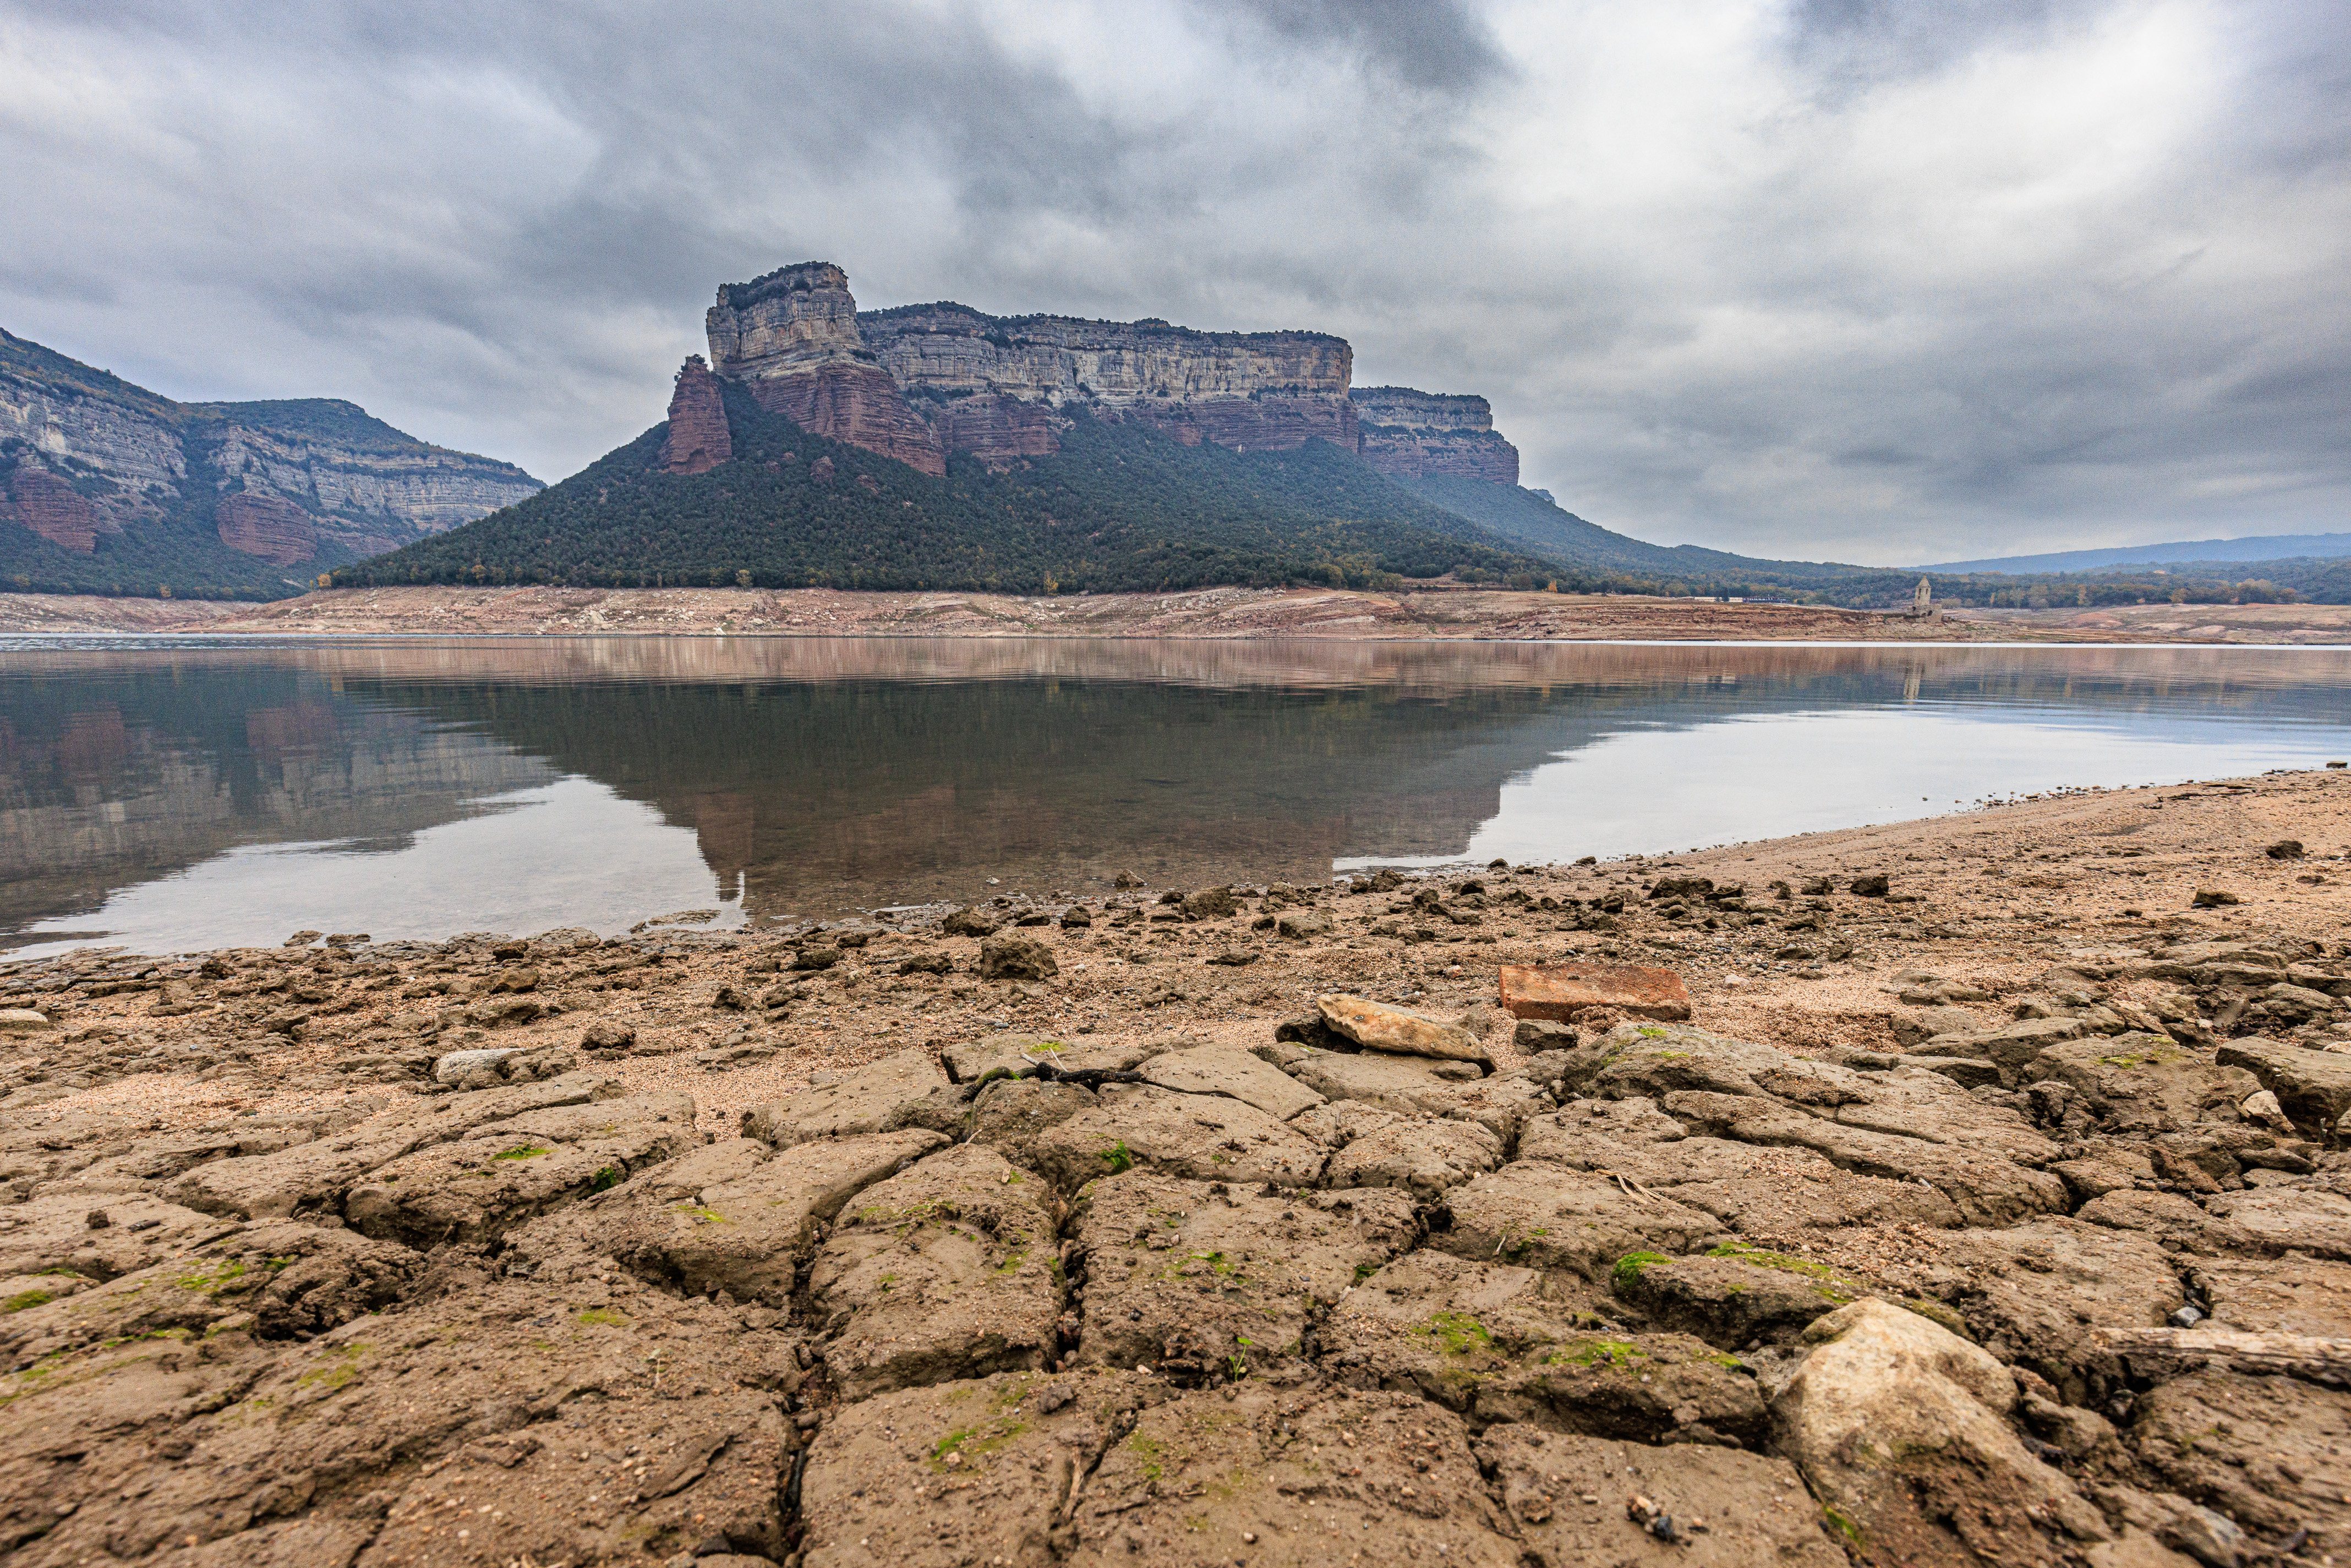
(2160, 1354)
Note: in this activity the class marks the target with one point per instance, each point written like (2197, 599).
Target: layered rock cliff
(94, 465)
(1417, 434)
(792, 337)
(697, 439)
(918, 382)
(996, 381)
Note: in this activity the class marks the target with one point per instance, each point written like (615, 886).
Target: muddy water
(174, 796)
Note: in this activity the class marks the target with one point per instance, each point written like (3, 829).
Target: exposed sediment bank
(1218, 612)
(1068, 1228)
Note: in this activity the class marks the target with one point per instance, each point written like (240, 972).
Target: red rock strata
(855, 404)
(53, 509)
(699, 438)
(274, 528)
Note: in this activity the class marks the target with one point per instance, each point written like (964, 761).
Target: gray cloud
(1837, 278)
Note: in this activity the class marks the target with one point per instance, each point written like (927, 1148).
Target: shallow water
(171, 796)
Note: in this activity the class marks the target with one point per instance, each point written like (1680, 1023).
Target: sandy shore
(1221, 613)
(2072, 1070)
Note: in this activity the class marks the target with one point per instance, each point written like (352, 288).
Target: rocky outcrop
(792, 337)
(1001, 383)
(918, 382)
(84, 455)
(699, 438)
(270, 526)
(1417, 434)
(52, 509)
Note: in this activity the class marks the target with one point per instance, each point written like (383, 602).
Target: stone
(1259, 1478)
(1530, 1036)
(313, 1177)
(2312, 1299)
(948, 1271)
(2284, 849)
(749, 1222)
(1210, 903)
(1426, 1156)
(2036, 1294)
(874, 1099)
(1301, 924)
(2264, 1452)
(1541, 1216)
(2144, 1082)
(1503, 1344)
(1397, 1084)
(2280, 1219)
(475, 1069)
(2213, 898)
(1754, 1509)
(22, 1021)
(2315, 1086)
(1376, 1026)
(1736, 1295)
(982, 1061)
(1229, 1070)
(475, 1189)
(607, 1036)
(1899, 1427)
(970, 922)
(1201, 1280)
(1561, 992)
(878, 1487)
(1009, 1115)
(1017, 957)
(1985, 1187)
(1206, 1137)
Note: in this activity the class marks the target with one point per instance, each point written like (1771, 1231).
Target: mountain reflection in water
(174, 796)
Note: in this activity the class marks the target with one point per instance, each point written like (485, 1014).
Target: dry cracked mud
(1959, 1225)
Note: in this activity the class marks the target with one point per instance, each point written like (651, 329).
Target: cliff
(792, 337)
(918, 382)
(995, 384)
(1415, 434)
(107, 486)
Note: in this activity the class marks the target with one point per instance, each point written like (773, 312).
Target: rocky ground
(1227, 612)
(1987, 1206)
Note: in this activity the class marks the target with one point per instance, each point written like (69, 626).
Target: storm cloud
(1852, 278)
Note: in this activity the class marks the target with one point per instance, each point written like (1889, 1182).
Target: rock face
(918, 382)
(1414, 434)
(1000, 379)
(698, 439)
(793, 338)
(84, 455)
(270, 526)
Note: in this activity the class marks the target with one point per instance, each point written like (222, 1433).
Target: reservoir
(168, 796)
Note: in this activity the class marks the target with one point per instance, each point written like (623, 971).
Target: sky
(1883, 281)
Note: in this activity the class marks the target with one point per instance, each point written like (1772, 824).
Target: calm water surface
(168, 796)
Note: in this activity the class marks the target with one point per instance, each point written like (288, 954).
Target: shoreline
(2015, 1080)
(1215, 614)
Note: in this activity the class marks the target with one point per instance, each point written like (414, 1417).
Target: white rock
(458, 1064)
(1895, 1422)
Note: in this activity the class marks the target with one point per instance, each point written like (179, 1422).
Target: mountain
(2244, 551)
(936, 446)
(107, 487)
(728, 491)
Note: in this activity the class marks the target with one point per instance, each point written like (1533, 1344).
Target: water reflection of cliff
(826, 773)
(118, 772)
(835, 771)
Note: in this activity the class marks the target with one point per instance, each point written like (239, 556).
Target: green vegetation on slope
(1119, 508)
